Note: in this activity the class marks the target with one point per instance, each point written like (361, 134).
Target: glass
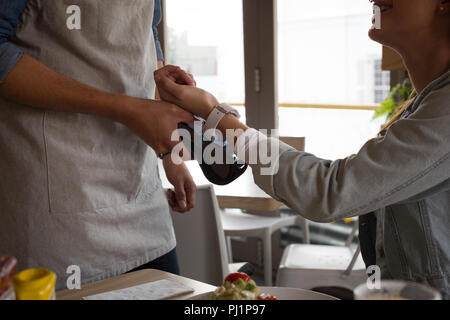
(397, 290)
(206, 38)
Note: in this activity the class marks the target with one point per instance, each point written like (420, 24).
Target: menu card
(158, 290)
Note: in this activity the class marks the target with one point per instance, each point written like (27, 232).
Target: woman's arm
(176, 86)
(413, 157)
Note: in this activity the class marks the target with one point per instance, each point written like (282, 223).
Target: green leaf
(398, 95)
(250, 287)
(385, 107)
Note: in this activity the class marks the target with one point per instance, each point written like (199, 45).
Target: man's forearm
(33, 84)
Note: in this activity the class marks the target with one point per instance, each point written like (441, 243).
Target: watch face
(222, 173)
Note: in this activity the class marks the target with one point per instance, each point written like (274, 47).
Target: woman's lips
(383, 5)
(379, 7)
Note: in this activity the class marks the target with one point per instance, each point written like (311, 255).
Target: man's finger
(173, 202)
(190, 194)
(171, 198)
(176, 74)
(194, 83)
(180, 195)
(166, 85)
(182, 77)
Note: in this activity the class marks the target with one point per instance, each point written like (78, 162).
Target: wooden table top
(134, 279)
(150, 275)
(241, 194)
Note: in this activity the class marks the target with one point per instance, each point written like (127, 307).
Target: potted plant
(399, 95)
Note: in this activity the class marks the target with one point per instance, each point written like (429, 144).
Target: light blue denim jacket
(403, 176)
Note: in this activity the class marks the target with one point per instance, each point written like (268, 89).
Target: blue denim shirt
(10, 12)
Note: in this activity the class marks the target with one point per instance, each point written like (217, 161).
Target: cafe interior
(307, 71)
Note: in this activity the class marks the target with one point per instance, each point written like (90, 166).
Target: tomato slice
(239, 275)
(267, 297)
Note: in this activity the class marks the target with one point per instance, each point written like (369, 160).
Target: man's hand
(178, 87)
(156, 122)
(32, 83)
(183, 198)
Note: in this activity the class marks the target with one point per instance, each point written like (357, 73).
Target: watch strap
(217, 114)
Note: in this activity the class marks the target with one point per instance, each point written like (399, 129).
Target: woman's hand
(155, 122)
(178, 87)
(183, 198)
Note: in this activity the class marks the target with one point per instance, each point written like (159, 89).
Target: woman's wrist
(207, 111)
(210, 102)
(229, 121)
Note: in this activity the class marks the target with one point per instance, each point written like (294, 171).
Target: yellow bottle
(35, 284)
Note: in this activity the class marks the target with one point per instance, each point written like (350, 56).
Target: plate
(280, 293)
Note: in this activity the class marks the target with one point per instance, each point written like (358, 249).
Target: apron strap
(367, 238)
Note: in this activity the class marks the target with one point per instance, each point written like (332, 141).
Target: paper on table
(157, 290)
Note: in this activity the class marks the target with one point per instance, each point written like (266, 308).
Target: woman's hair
(398, 113)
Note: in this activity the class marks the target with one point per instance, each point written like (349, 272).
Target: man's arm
(33, 84)
(26, 81)
(157, 16)
(10, 12)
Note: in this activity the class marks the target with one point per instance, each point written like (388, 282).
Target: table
(150, 275)
(134, 279)
(241, 194)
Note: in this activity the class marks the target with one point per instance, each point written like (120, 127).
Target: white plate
(281, 294)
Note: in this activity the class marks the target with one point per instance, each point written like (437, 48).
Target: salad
(239, 286)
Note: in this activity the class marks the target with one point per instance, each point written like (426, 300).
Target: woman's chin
(384, 39)
(378, 35)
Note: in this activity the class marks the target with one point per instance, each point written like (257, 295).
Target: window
(326, 58)
(205, 37)
(329, 71)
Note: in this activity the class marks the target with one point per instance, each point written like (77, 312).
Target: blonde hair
(397, 115)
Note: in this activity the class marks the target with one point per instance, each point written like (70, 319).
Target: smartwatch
(216, 115)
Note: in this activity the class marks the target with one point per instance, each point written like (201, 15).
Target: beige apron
(77, 189)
